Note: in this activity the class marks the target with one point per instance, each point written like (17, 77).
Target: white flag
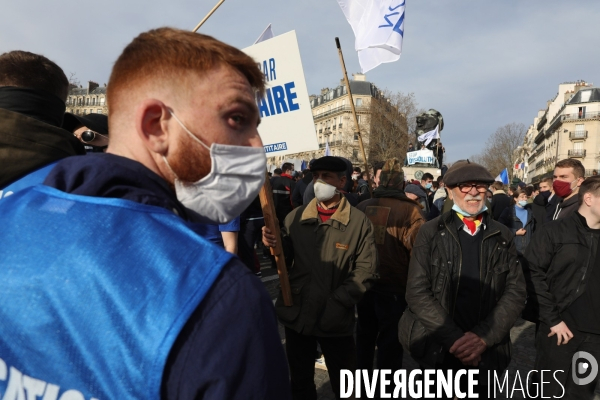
(429, 136)
(327, 151)
(378, 26)
(266, 35)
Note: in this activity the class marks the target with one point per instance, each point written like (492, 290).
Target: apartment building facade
(569, 127)
(334, 123)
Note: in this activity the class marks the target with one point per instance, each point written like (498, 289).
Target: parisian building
(569, 127)
(87, 100)
(334, 123)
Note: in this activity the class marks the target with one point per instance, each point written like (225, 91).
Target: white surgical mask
(522, 203)
(236, 176)
(324, 191)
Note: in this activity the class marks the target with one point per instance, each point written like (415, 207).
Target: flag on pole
(503, 177)
(327, 151)
(429, 136)
(522, 165)
(303, 165)
(378, 27)
(266, 35)
(517, 166)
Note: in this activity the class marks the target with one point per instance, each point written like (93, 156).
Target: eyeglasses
(89, 135)
(466, 187)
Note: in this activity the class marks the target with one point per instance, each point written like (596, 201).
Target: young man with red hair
(151, 310)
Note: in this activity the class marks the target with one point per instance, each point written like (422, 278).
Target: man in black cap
(91, 130)
(331, 251)
(465, 286)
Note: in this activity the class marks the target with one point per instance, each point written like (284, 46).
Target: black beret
(328, 163)
(96, 122)
(466, 171)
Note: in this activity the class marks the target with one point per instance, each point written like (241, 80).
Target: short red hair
(165, 53)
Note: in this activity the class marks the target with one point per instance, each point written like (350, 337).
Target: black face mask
(38, 104)
(546, 194)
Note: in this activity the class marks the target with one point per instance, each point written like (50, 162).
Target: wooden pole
(360, 141)
(208, 15)
(271, 222)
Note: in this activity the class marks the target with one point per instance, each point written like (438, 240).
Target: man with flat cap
(332, 261)
(465, 285)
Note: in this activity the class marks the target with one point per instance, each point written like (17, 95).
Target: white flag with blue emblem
(378, 26)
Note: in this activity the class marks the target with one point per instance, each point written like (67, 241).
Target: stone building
(87, 100)
(334, 123)
(569, 127)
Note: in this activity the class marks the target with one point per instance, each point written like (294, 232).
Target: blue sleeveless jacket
(90, 307)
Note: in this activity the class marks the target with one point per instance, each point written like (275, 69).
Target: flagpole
(208, 15)
(360, 141)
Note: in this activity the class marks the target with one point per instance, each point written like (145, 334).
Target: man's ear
(150, 119)
(342, 182)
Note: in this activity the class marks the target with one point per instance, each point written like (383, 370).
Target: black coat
(500, 202)
(427, 329)
(509, 219)
(558, 259)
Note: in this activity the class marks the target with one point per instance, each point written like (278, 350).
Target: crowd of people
(129, 246)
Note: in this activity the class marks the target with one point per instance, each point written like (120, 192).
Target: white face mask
(324, 191)
(236, 176)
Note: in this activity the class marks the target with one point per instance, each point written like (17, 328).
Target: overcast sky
(481, 63)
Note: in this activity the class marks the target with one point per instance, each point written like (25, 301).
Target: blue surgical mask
(428, 186)
(459, 210)
(523, 203)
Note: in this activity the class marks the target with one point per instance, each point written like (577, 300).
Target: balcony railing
(339, 109)
(334, 127)
(539, 164)
(578, 135)
(587, 115)
(577, 153)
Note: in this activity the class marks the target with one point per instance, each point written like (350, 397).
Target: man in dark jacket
(565, 270)
(331, 248)
(568, 175)
(541, 204)
(500, 200)
(465, 286)
(33, 91)
(283, 187)
(396, 220)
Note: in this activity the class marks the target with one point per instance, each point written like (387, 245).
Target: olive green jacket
(334, 264)
(27, 144)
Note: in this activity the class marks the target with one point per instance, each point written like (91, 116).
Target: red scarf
(471, 225)
(325, 214)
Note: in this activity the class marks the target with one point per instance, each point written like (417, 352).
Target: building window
(585, 96)
(99, 111)
(102, 100)
(358, 102)
(358, 118)
(87, 101)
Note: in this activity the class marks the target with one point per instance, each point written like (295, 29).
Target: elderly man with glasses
(465, 286)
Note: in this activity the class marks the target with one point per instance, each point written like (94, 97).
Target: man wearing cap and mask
(396, 220)
(331, 251)
(152, 310)
(465, 285)
(33, 91)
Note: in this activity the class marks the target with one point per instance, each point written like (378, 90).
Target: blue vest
(90, 307)
(35, 178)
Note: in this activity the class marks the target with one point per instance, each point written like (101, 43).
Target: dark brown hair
(28, 70)
(577, 166)
(166, 53)
(590, 185)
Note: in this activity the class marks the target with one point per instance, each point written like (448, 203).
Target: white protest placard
(287, 124)
(420, 156)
